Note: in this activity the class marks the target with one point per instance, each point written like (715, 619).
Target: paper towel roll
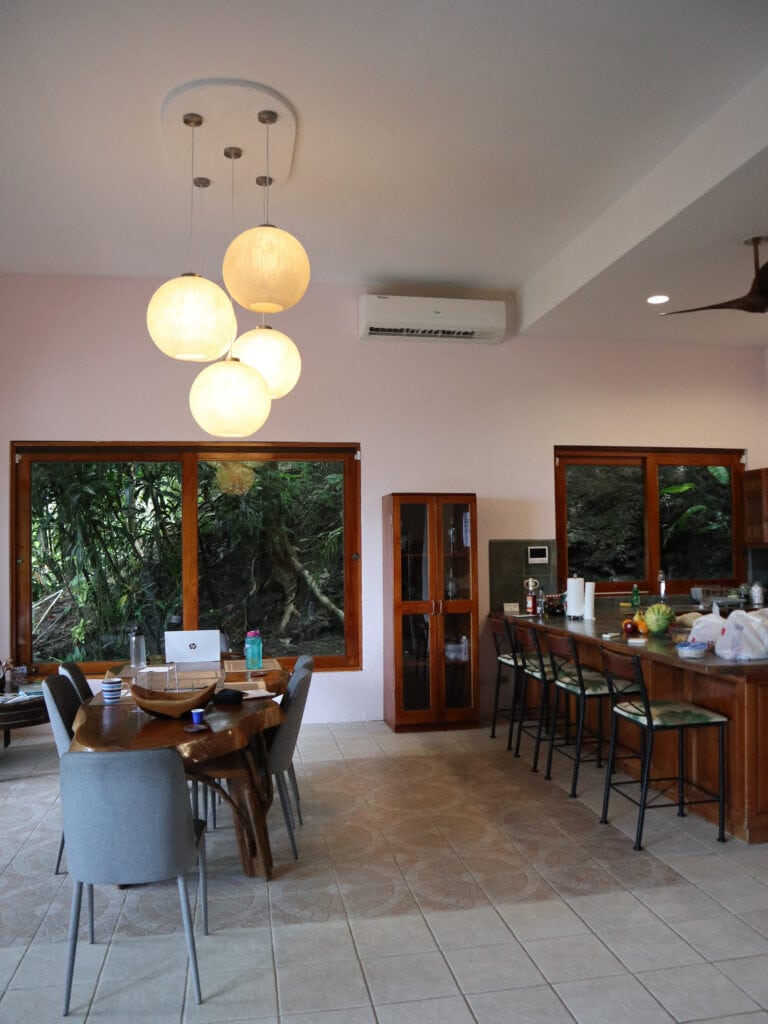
(574, 594)
(589, 600)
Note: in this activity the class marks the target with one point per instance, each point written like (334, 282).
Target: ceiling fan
(756, 299)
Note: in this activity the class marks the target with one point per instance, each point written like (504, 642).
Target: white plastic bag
(707, 629)
(745, 637)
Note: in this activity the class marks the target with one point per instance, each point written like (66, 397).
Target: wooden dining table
(231, 744)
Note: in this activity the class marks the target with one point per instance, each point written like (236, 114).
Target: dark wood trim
(650, 459)
(189, 454)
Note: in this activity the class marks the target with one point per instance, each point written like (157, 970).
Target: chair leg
(582, 708)
(202, 869)
(74, 925)
(59, 855)
(283, 791)
(543, 714)
(644, 785)
(295, 790)
(609, 770)
(515, 678)
(600, 737)
(496, 701)
(721, 782)
(89, 904)
(552, 727)
(680, 773)
(523, 698)
(189, 936)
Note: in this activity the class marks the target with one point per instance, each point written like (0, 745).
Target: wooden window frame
(650, 459)
(24, 453)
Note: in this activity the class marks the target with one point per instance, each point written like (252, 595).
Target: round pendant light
(235, 478)
(266, 269)
(191, 318)
(274, 355)
(229, 399)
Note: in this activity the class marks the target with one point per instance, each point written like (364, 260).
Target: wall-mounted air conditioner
(406, 317)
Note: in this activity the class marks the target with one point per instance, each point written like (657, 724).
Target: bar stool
(585, 684)
(630, 702)
(505, 660)
(530, 665)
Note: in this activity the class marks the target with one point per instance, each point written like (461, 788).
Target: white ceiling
(571, 155)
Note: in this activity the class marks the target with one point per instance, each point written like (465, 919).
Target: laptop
(194, 648)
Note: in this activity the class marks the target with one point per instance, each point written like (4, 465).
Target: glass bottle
(635, 596)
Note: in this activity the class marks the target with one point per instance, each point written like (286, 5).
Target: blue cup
(111, 690)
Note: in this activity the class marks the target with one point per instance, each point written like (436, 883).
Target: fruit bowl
(171, 703)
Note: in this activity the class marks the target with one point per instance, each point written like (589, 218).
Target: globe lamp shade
(266, 269)
(274, 355)
(229, 399)
(235, 478)
(191, 318)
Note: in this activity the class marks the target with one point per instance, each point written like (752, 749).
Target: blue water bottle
(253, 658)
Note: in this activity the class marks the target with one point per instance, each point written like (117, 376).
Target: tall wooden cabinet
(430, 610)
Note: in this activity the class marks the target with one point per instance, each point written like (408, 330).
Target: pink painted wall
(78, 364)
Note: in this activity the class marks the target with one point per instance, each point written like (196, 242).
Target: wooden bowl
(171, 703)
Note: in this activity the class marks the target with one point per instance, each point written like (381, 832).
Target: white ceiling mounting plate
(230, 111)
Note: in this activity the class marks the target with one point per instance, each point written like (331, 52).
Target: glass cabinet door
(456, 537)
(457, 684)
(414, 552)
(416, 675)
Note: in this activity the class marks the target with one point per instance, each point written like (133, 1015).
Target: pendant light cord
(266, 186)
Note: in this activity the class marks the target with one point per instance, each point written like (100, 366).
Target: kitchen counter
(737, 689)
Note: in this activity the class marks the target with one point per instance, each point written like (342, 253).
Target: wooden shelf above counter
(737, 689)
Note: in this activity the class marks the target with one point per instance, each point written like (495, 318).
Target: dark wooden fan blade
(757, 303)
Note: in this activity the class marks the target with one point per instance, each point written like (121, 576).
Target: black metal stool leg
(609, 769)
(644, 785)
(680, 773)
(721, 782)
(496, 700)
(582, 710)
(523, 697)
(552, 727)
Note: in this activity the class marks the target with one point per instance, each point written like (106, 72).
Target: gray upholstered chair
(283, 744)
(76, 676)
(303, 662)
(128, 821)
(62, 704)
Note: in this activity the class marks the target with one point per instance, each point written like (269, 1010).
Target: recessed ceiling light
(657, 300)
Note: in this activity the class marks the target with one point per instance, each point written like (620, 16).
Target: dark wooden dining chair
(128, 821)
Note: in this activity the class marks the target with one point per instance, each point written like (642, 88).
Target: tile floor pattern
(439, 881)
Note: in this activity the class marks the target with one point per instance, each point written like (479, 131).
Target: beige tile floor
(439, 880)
